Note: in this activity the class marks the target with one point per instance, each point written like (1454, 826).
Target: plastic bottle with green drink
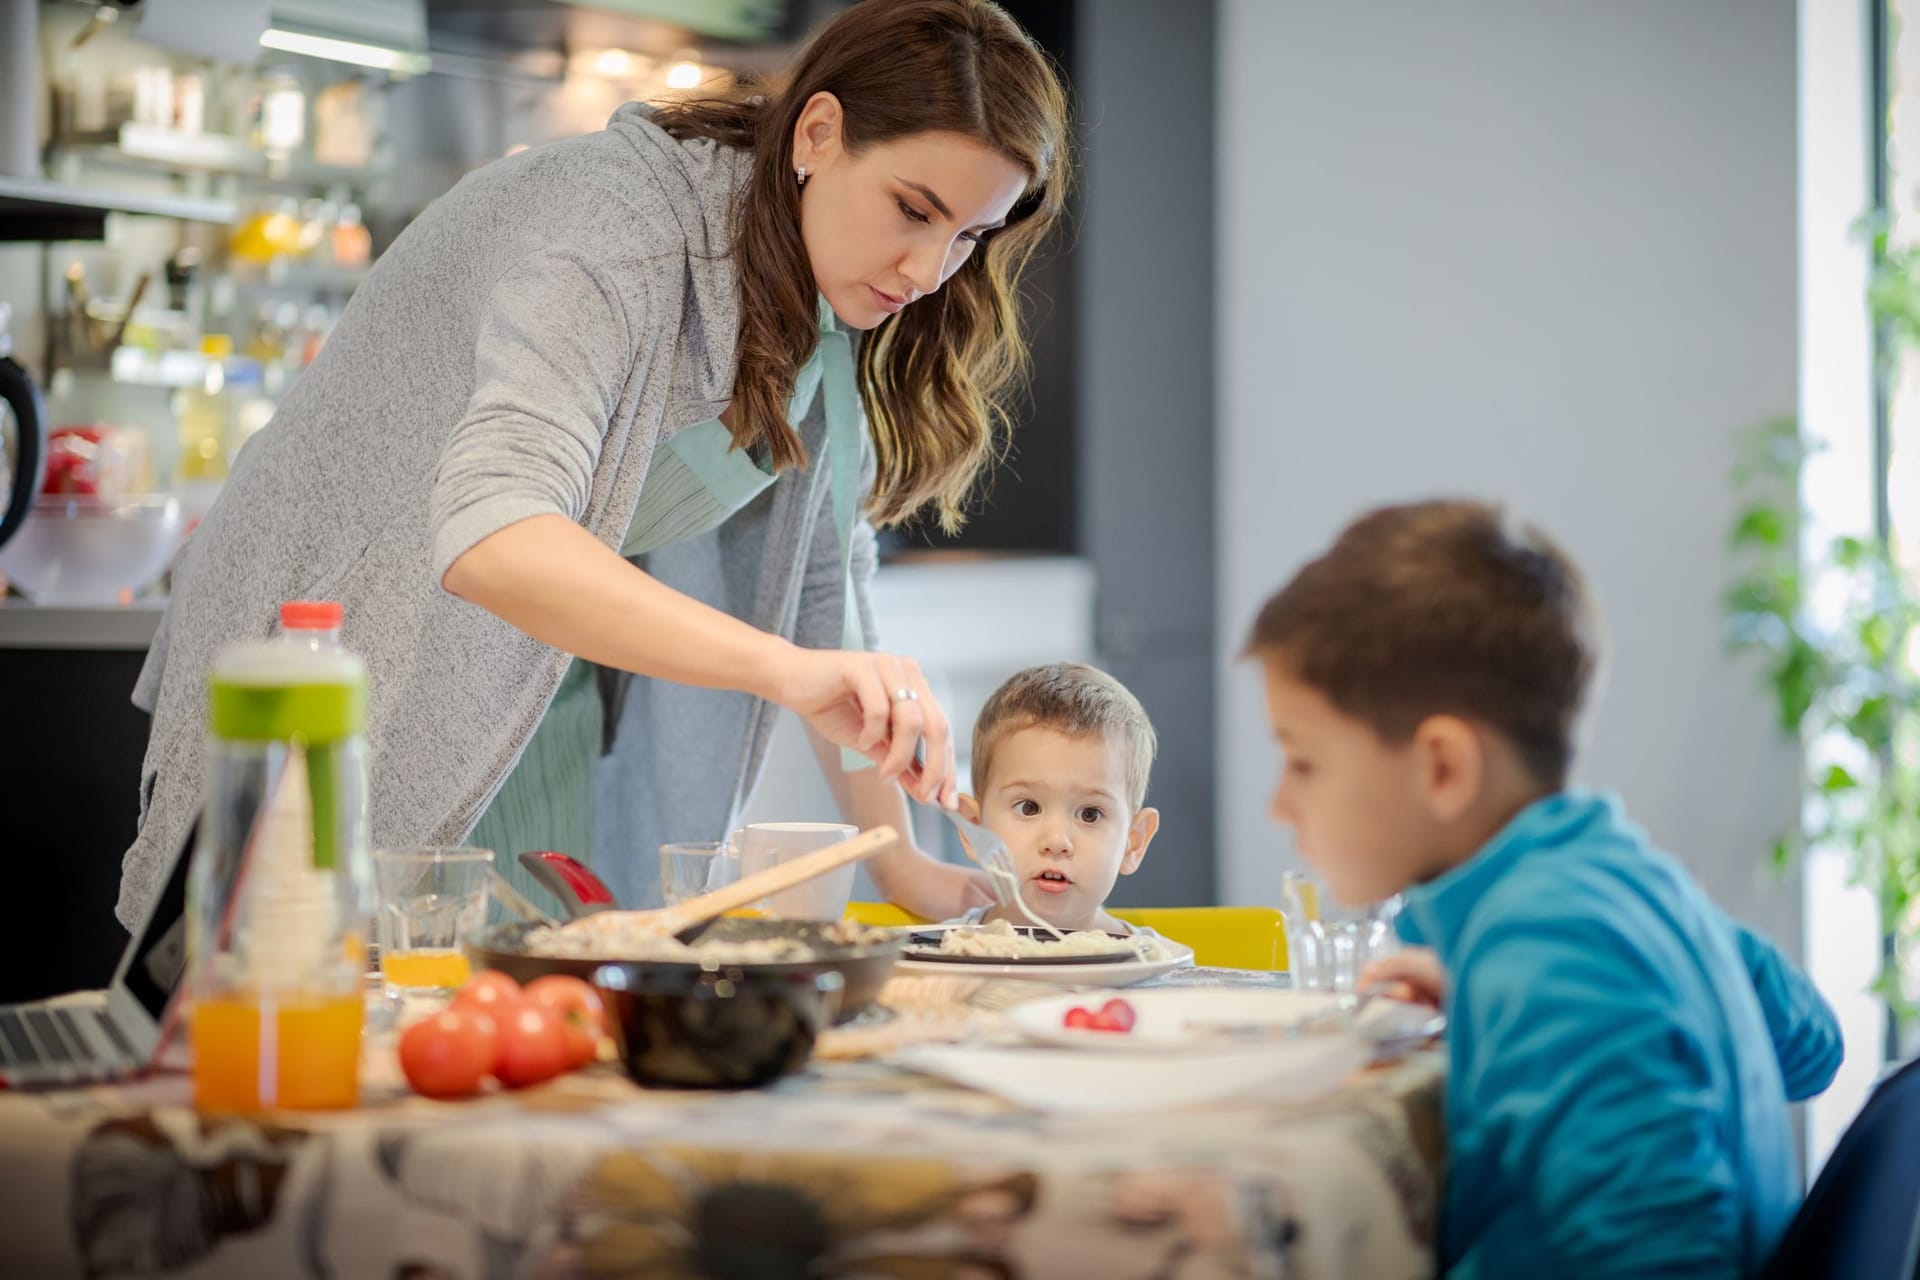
(280, 893)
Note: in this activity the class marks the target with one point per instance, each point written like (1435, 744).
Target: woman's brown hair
(934, 375)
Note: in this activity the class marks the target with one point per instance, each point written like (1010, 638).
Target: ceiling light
(614, 64)
(380, 57)
(684, 75)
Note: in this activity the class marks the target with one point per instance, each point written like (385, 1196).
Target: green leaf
(1797, 682)
(1848, 552)
(1871, 723)
(1760, 526)
(1837, 780)
(1765, 593)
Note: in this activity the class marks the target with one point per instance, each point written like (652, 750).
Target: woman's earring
(800, 175)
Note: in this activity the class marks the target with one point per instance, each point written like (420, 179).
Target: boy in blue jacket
(1621, 1053)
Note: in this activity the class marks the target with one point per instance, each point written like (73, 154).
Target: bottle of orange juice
(280, 892)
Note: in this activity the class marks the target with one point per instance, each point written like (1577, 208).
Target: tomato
(533, 1046)
(1114, 1015)
(490, 991)
(577, 1005)
(449, 1054)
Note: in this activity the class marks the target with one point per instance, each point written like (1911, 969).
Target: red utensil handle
(580, 891)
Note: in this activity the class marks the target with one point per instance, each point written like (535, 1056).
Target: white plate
(1175, 1020)
(1103, 974)
(1059, 1080)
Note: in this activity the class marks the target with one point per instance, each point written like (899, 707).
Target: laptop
(89, 1036)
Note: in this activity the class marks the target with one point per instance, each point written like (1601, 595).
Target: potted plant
(1841, 668)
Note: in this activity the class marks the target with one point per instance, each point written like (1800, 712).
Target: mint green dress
(696, 481)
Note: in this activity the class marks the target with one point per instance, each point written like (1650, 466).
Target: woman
(635, 342)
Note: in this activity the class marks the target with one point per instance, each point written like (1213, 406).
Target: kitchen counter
(109, 627)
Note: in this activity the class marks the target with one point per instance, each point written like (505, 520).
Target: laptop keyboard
(51, 1034)
(13, 1033)
(114, 1037)
(53, 1037)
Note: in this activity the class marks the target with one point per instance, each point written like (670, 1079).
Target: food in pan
(630, 935)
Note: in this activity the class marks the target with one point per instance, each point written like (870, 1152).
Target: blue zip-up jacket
(1621, 1059)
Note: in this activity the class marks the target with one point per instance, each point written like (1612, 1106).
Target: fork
(989, 852)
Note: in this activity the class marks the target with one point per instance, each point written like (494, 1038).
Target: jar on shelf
(352, 242)
(273, 231)
(281, 123)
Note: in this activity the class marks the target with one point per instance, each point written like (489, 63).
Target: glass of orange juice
(431, 901)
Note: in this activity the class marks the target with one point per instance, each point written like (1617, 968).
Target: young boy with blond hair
(1061, 755)
(1621, 1053)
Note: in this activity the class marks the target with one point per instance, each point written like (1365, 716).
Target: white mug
(761, 845)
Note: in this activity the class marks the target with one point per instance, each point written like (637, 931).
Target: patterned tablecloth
(856, 1169)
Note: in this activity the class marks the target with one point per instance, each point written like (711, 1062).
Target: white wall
(1542, 253)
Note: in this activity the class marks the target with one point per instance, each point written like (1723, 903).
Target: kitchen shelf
(173, 151)
(168, 149)
(34, 209)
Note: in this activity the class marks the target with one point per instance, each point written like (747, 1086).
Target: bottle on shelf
(273, 231)
(319, 323)
(202, 415)
(280, 124)
(352, 242)
(317, 218)
(253, 406)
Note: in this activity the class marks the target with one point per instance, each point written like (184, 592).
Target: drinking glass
(431, 901)
(688, 870)
(1328, 944)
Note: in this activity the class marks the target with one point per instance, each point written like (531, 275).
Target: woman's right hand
(855, 700)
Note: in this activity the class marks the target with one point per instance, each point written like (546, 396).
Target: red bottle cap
(310, 615)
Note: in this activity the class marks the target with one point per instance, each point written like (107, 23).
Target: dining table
(864, 1164)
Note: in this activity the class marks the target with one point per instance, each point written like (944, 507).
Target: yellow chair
(880, 915)
(1222, 937)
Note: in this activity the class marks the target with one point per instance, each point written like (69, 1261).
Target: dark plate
(863, 969)
(924, 948)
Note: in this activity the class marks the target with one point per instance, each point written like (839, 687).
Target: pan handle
(581, 893)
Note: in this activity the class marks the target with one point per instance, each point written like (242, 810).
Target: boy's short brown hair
(1443, 608)
(1070, 698)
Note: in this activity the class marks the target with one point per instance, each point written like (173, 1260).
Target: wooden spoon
(688, 920)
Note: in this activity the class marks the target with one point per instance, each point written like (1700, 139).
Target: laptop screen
(157, 956)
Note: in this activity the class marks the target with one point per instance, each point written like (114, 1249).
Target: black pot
(678, 1027)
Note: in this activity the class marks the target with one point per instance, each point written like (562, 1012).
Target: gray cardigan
(519, 350)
